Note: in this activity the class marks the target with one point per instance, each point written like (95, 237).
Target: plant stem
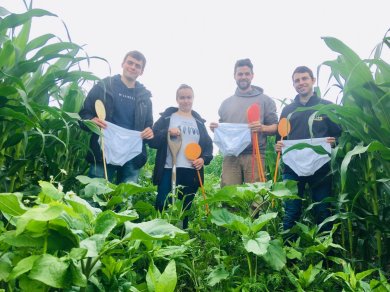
(375, 208)
(249, 265)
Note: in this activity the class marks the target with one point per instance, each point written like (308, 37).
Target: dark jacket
(160, 142)
(299, 121)
(143, 115)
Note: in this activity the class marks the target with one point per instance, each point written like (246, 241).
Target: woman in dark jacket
(181, 123)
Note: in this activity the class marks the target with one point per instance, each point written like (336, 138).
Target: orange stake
(253, 115)
(192, 152)
(284, 128)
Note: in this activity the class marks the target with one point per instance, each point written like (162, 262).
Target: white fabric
(232, 138)
(120, 144)
(306, 161)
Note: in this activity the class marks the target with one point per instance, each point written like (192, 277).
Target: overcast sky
(197, 42)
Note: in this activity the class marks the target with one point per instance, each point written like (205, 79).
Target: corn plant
(38, 140)
(362, 157)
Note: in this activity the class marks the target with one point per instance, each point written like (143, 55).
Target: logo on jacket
(318, 118)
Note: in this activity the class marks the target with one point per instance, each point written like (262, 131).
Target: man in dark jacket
(320, 183)
(128, 105)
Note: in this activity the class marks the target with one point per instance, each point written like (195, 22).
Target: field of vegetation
(62, 231)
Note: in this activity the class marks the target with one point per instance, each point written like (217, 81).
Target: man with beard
(238, 170)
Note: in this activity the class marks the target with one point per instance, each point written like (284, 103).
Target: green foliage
(37, 140)
(362, 159)
(110, 238)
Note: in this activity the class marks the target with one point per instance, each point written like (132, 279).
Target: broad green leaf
(22, 38)
(105, 223)
(316, 148)
(21, 240)
(359, 149)
(93, 244)
(27, 284)
(260, 222)
(6, 90)
(23, 266)
(14, 115)
(78, 253)
(38, 42)
(275, 256)
(7, 55)
(285, 190)
(77, 277)
(11, 204)
(157, 229)
(170, 251)
(49, 190)
(308, 276)
(152, 277)
(5, 267)
(51, 271)
(293, 280)
(127, 215)
(14, 20)
(257, 244)
(217, 275)
(292, 253)
(360, 276)
(53, 49)
(40, 213)
(82, 207)
(168, 279)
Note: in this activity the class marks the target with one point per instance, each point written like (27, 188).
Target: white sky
(198, 41)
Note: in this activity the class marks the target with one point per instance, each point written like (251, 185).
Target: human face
(243, 77)
(303, 84)
(185, 98)
(132, 68)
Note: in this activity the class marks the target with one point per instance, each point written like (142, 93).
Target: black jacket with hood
(143, 115)
(299, 121)
(160, 142)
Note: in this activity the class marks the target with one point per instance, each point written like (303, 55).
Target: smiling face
(132, 68)
(243, 77)
(303, 84)
(185, 98)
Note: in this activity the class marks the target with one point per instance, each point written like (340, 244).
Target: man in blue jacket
(128, 105)
(320, 182)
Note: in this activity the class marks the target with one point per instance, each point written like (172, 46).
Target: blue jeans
(320, 185)
(124, 174)
(185, 177)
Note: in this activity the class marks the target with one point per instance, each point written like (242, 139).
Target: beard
(243, 84)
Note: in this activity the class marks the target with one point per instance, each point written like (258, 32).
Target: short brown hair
(303, 69)
(242, 63)
(136, 55)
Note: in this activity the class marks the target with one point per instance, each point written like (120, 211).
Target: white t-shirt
(189, 134)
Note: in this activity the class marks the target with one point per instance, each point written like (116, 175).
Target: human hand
(331, 141)
(198, 163)
(278, 146)
(100, 123)
(213, 125)
(174, 132)
(147, 134)
(256, 126)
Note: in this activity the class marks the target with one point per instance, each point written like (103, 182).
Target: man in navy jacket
(320, 183)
